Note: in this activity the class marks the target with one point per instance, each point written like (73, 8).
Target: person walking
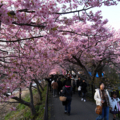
(67, 92)
(73, 85)
(114, 105)
(79, 83)
(64, 82)
(69, 79)
(49, 83)
(83, 90)
(59, 85)
(102, 98)
(55, 87)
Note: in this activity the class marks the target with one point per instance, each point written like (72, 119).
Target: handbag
(98, 109)
(79, 88)
(62, 98)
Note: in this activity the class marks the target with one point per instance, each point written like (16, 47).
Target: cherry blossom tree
(26, 65)
(37, 34)
(92, 48)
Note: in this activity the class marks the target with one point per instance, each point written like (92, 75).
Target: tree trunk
(21, 101)
(86, 73)
(93, 77)
(40, 86)
(83, 67)
(100, 75)
(20, 93)
(31, 100)
(36, 81)
(40, 94)
(32, 109)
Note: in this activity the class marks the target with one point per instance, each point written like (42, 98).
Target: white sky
(111, 13)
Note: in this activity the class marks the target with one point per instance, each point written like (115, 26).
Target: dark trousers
(59, 90)
(50, 87)
(68, 106)
(84, 95)
(54, 92)
(73, 89)
(79, 93)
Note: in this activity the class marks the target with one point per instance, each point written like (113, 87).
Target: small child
(114, 105)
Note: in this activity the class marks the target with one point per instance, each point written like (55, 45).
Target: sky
(111, 13)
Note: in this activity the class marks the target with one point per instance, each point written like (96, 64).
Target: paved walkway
(79, 110)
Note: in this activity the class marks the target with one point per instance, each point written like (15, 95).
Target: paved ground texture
(79, 110)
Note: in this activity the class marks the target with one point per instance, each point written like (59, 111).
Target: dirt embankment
(5, 107)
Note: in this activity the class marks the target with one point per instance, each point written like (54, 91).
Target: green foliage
(23, 112)
(112, 78)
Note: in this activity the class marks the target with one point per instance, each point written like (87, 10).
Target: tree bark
(20, 93)
(40, 94)
(36, 81)
(40, 86)
(31, 100)
(21, 101)
(98, 68)
(83, 67)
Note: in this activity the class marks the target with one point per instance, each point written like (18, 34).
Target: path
(79, 110)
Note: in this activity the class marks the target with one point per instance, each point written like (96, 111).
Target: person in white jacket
(102, 98)
(114, 105)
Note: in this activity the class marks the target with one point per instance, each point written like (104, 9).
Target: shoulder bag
(79, 88)
(62, 97)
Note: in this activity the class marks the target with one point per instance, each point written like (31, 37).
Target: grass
(24, 113)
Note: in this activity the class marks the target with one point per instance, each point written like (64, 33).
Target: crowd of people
(69, 86)
(55, 85)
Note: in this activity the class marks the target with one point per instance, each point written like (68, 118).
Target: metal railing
(46, 106)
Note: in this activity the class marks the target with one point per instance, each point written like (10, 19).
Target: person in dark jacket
(66, 79)
(79, 84)
(59, 84)
(64, 82)
(73, 85)
(67, 91)
(84, 90)
(69, 79)
(49, 83)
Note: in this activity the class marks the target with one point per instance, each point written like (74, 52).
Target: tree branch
(74, 11)
(27, 24)
(21, 39)
(26, 10)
